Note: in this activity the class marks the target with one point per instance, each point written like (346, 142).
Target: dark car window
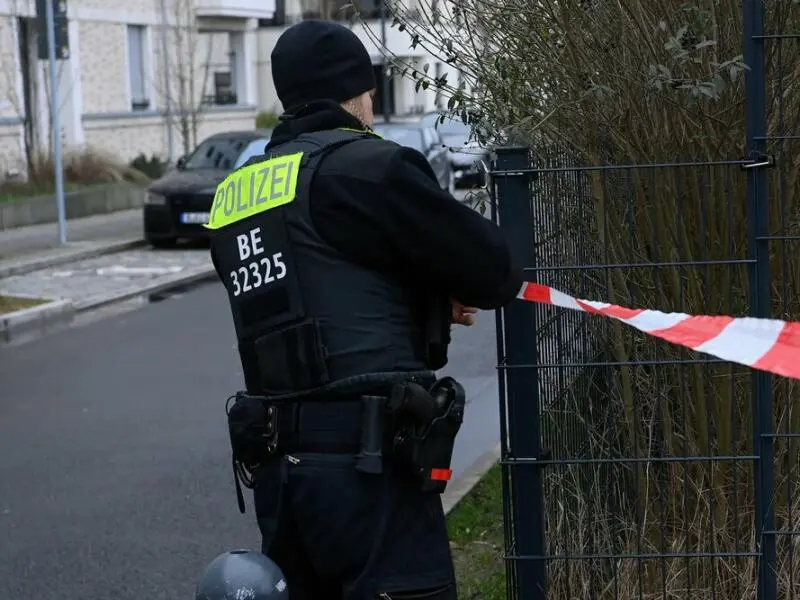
(405, 136)
(254, 148)
(216, 153)
(454, 134)
(450, 127)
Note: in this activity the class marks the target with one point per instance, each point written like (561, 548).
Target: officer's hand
(463, 315)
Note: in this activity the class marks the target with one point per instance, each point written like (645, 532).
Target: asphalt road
(115, 478)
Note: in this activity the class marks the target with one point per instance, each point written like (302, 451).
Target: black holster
(425, 425)
(253, 431)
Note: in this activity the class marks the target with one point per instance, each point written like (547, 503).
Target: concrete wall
(90, 201)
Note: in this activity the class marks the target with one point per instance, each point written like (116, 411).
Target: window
(225, 67)
(224, 153)
(255, 148)
(410, 137)
(136, 68)
(278, 17)
(453, 127)
(429, 138)
(224, 93)
(332, 10)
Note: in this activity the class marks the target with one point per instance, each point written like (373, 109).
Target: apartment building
(157, 76)
(404, 99)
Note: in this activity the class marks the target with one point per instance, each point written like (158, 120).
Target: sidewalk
(114, 227)
(97, 281)
(36, 239)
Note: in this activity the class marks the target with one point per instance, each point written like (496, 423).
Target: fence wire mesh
(633, 468)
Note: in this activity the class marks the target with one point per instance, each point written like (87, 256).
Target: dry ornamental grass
(80, 169)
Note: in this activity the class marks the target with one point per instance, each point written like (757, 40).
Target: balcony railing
(339, 10)
(248, 9)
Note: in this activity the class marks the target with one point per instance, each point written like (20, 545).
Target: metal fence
(633, 468)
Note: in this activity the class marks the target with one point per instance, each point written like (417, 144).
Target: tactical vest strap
(323, 142)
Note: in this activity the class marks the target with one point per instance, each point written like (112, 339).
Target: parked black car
(465, 154)
(179, 203)
(427, 141)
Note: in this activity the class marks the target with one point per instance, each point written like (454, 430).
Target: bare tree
(12, 70)
(183, 83)
(64, 92)
(18, 79)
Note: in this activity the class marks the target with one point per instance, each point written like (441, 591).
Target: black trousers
(339, 534)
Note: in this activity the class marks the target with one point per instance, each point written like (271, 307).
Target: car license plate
(194, 218)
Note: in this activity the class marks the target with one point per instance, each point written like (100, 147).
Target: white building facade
(157, 76)
(404, 98)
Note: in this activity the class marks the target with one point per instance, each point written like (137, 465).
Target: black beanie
(320, 60)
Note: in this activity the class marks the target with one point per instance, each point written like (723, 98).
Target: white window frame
(145, 65)
(149, 66)
(237, 48)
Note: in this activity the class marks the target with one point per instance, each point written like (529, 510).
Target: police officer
(345, 265)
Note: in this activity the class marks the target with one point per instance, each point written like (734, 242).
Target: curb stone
(463, 485)
(58, 257)
(36, 320)
(196, 275)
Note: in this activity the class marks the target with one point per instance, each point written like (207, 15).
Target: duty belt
(328, 419)
(324, 427)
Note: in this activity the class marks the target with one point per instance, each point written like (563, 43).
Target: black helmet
(242, 575)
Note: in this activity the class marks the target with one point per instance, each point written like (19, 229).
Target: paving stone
(107, 275)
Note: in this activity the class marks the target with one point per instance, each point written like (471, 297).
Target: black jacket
(385, 210)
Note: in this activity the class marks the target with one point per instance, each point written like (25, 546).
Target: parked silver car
(428, 141)
(465, 155)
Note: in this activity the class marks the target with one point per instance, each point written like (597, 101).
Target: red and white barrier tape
(763, 344)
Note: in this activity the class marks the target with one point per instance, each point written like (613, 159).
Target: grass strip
(9, 304)
(476, 539)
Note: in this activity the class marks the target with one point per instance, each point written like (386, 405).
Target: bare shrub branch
(189, 54)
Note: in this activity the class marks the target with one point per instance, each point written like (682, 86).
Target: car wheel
(163, 243)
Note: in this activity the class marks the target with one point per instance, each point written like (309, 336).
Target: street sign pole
(55, 110)
(167, 91)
